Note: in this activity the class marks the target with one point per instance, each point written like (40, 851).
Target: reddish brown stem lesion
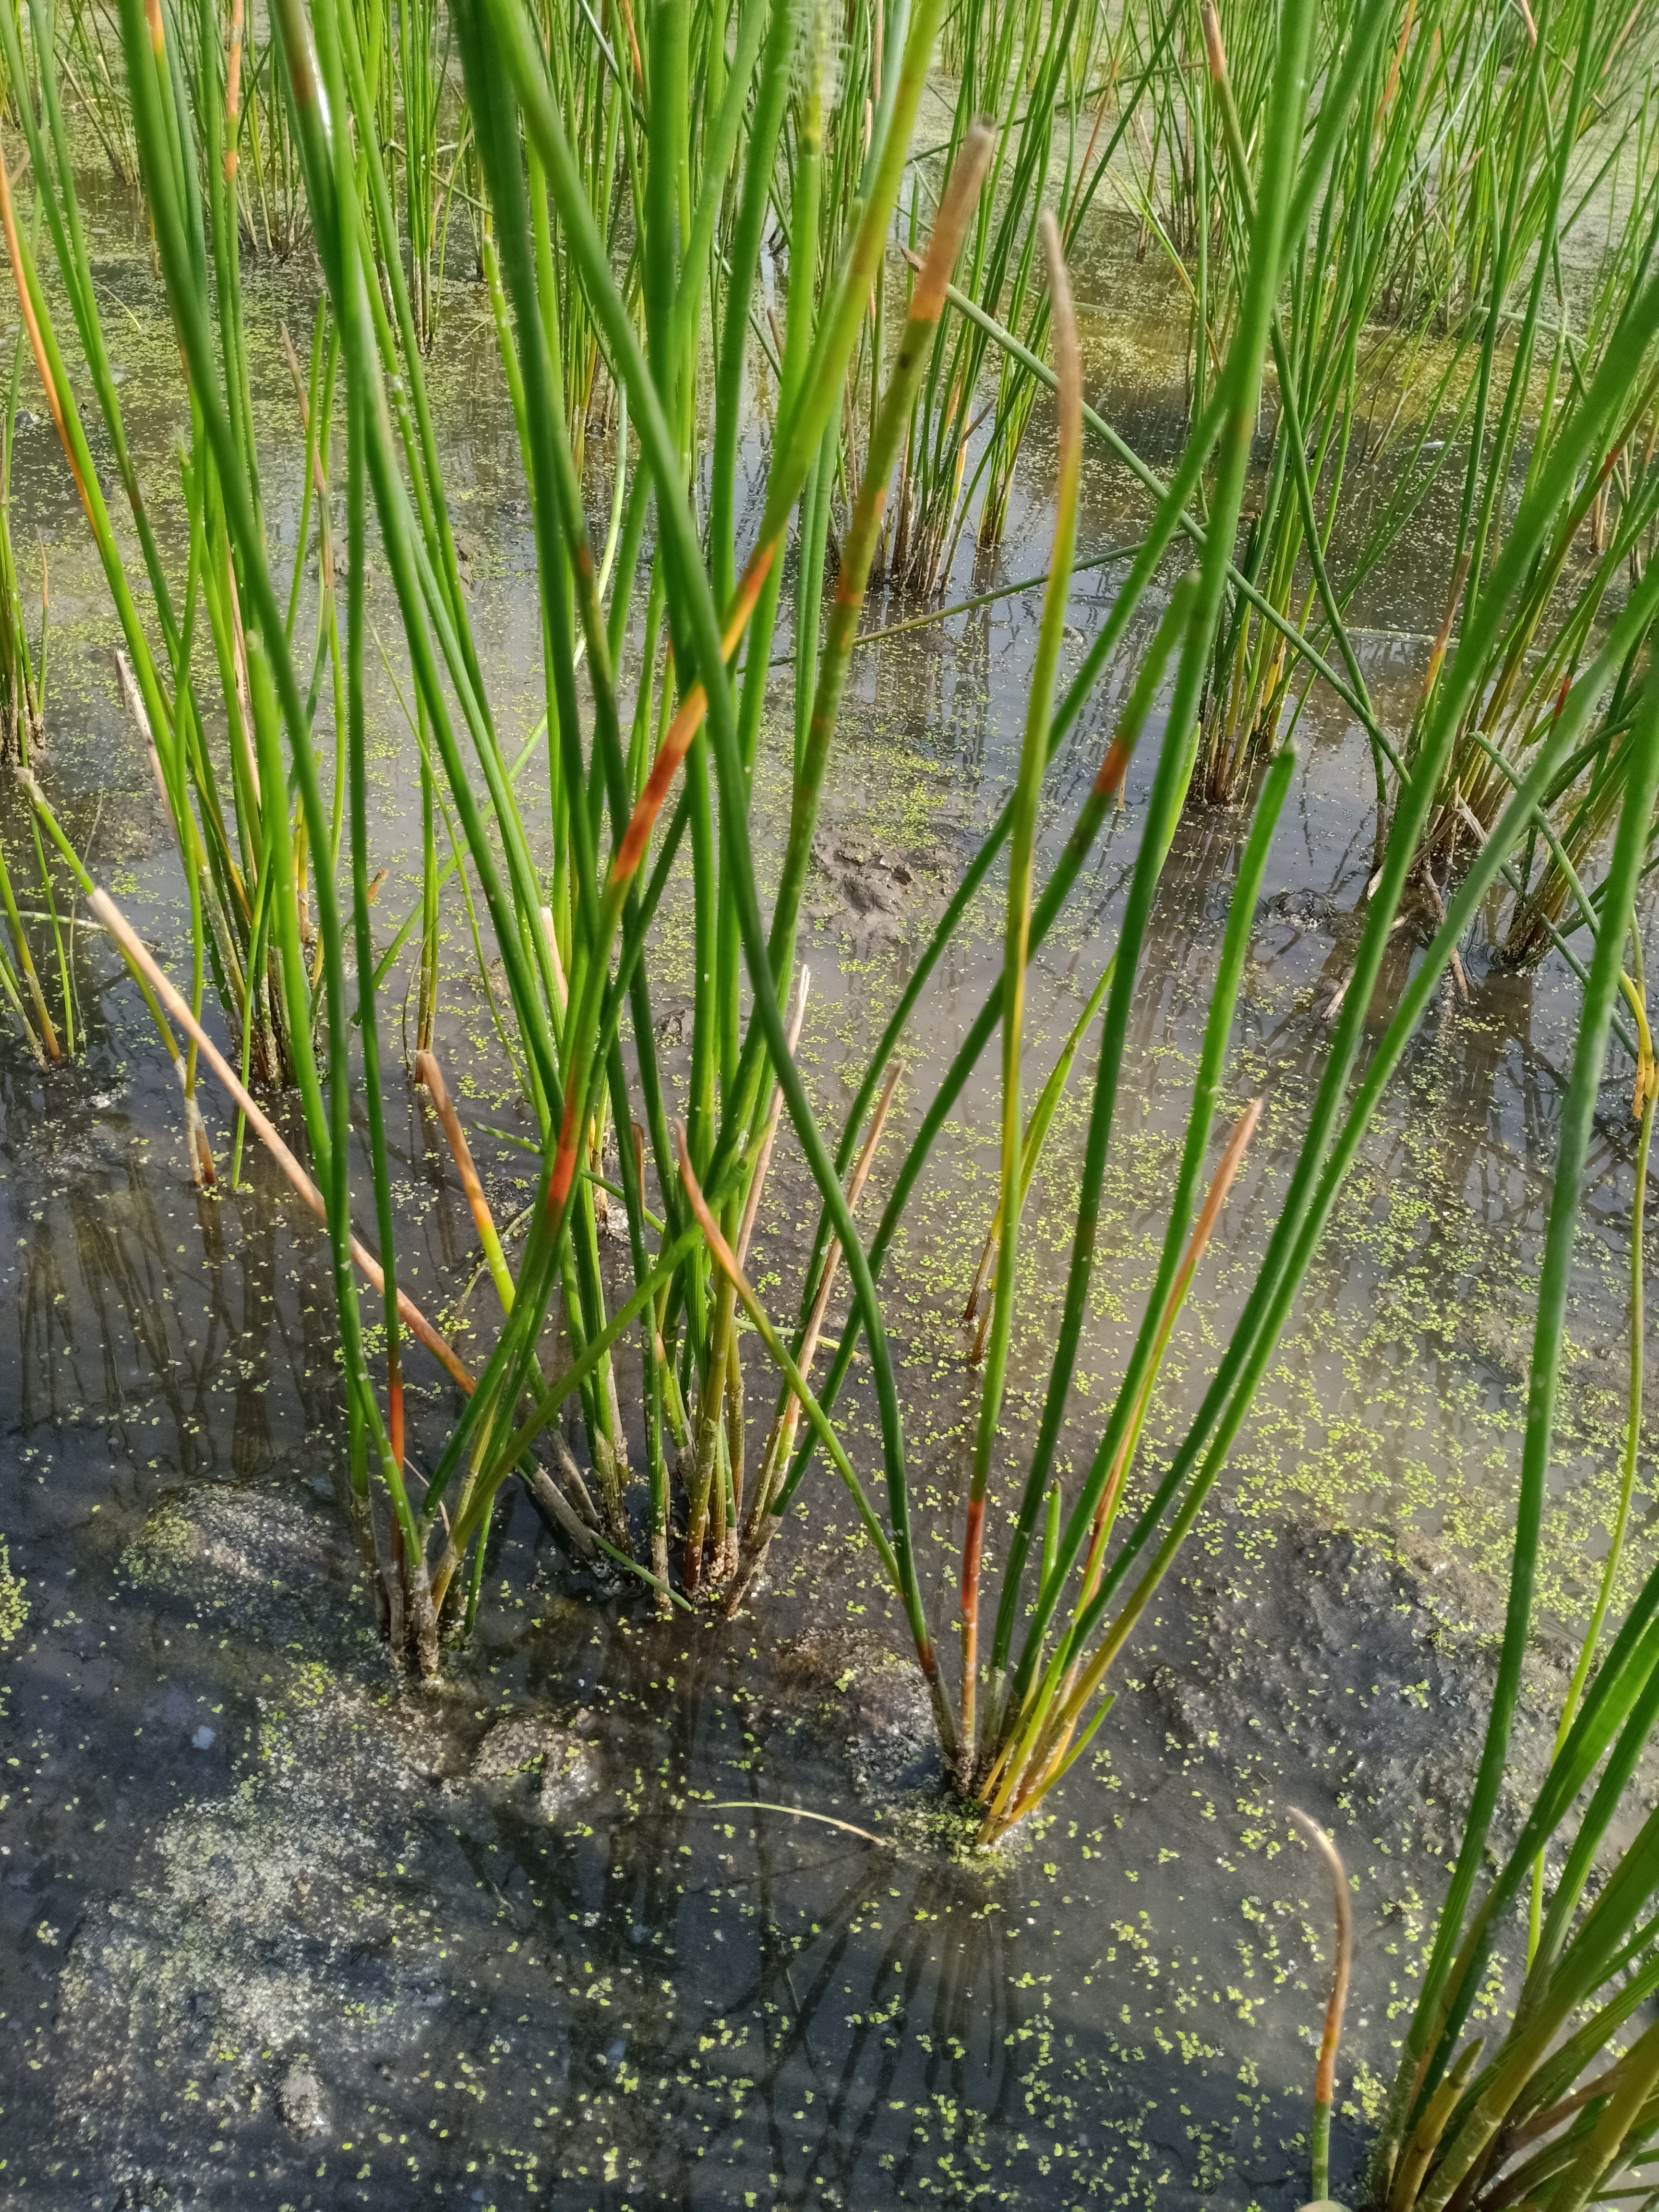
(233, 93)
(1342, 1968)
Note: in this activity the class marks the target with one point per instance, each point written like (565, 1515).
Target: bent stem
(1330, 2039)
(127, 940)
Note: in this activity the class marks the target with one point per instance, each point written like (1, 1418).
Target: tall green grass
(1595, 555)
(1428, 261)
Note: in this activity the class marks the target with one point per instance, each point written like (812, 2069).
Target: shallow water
(284, 1932)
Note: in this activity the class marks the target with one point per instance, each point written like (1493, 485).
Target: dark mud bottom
(281, 1932)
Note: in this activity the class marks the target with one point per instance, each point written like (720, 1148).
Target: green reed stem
(1015, 951)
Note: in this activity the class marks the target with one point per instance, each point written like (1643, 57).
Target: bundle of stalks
(1043, 1696)
(1596, 553)
(565, 1003)
(1372, 311)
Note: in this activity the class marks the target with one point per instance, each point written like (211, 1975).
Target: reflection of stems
(48, 1034)
(1294, 639)
(55, 829)
(766, 1509)
(13, 990)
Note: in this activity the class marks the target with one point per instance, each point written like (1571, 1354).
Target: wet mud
(555, 1932)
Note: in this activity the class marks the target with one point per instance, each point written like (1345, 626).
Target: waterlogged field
(620, 1910)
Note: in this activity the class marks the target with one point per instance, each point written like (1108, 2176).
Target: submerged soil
(639, 1913)
(627, 1912)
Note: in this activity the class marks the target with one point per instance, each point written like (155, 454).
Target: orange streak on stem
(1399, 56)
(637, 836)
(973, 1548)
(1325, 2080)
(427, 1072)
(1112, 768)
(37, 343)
(234, 110)
(724, 1259)
(634, 44)
(394, 1384)
(687, 722)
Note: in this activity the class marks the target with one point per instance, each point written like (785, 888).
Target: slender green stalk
(1015, 951)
